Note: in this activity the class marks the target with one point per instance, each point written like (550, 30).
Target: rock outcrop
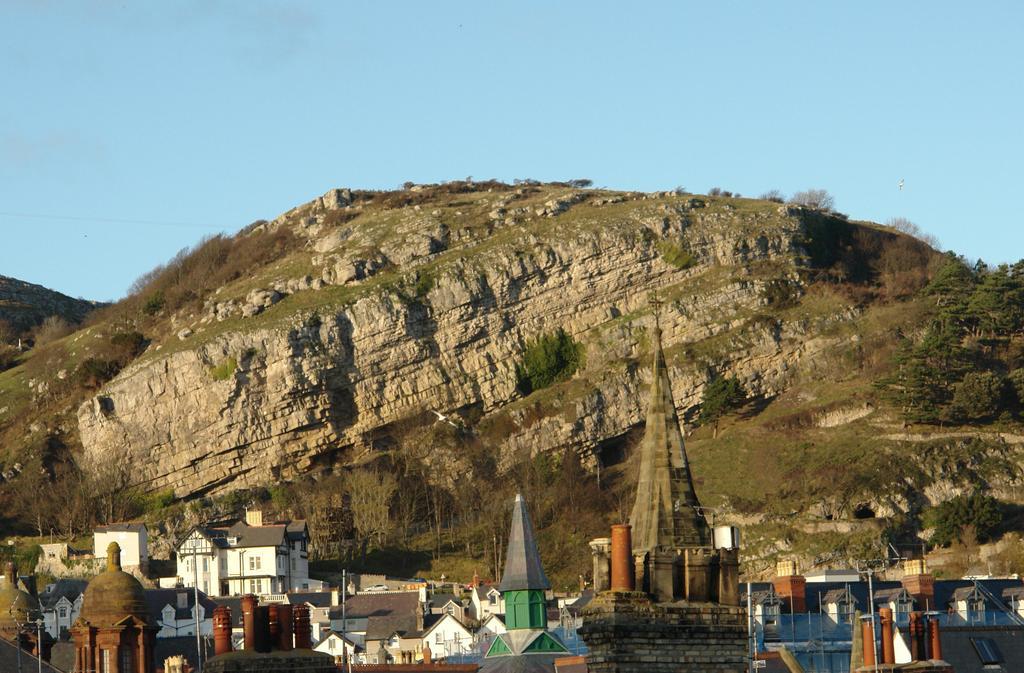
(435, 317)
(24, 305)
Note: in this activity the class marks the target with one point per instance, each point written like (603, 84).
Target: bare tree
(773, 195)
(819, 199)
(370, 493)
(53, 328)
(909, 228)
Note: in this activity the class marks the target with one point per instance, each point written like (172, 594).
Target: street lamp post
(39, 644)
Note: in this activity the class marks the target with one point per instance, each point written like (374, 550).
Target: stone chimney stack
(790, 586)
(919, 583)
(254, 517)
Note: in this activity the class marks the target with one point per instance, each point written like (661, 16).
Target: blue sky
(130, 129)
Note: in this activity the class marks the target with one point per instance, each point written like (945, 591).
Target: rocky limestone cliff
(428, 307)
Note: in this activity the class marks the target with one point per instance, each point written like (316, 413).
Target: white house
(133, 539)
(447, 637)
(174, 612)
(485, 601)
(246, 557)
(339, 647)
(60, 603)
(492, 626)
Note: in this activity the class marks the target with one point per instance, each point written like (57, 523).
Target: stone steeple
(665, 514)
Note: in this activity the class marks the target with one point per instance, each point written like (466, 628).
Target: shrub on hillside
(1015, 381)
(773, 195)
(551, 358)
(215, 261)
(978, 396)
(949, 519)
(676, 255)
(8, 356)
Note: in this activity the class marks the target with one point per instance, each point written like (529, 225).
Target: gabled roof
(895, 594)
(484, 589)
(62, 588)
(523, 569)
(838, 596)
(158, 599)
(430, 624)
(439, 600)
(963, 593)
(335, 634)
(383, 627)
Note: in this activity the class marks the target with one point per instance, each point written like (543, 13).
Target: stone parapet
(628, 633)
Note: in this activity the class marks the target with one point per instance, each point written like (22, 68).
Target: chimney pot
(888, 653)
(221, 630)
(300, 617)
(622, 558)
(868, 639)
(249, 621)
(284, 620)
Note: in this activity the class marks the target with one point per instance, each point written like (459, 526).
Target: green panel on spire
(525, 609)
(497, 648)
(545, 643)
(665, 513)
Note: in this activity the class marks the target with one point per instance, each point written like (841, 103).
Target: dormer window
(492, 598)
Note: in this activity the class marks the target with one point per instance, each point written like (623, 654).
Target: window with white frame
(439, 638)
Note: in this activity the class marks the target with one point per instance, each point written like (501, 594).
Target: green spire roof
(523, 569)
(665, 511)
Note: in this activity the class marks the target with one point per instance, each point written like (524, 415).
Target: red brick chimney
(919, 583)
(790, 586)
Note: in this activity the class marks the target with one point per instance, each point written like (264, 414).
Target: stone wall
(627, 633)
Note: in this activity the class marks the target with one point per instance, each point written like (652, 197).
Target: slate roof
(156, 599)
(439, 600)
(958, 650)
(62, 588)
(183, 645)
(270, 535)
(379, 605)
(523, 569)
(318, 599)
(235, 604)
(62, 655)
(9, 659)
(483, 590)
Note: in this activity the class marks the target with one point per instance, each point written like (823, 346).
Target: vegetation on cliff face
(837, 362)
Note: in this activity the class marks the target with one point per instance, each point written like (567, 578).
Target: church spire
(665, 513)
(523, 569)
